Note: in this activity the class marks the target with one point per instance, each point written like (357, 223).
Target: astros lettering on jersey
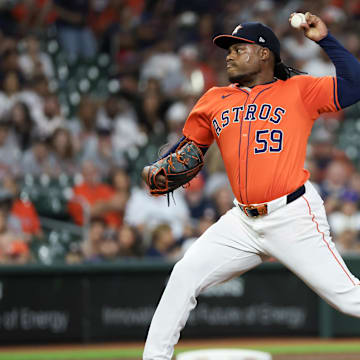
(251, 134)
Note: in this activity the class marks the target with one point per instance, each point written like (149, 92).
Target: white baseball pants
(297, 235)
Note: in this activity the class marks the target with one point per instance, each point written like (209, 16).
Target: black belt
(262, 209)
(296, 194)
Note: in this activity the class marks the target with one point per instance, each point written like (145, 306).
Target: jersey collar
(252, 87)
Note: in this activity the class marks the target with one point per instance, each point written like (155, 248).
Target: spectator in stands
(346, 218)
(206, 220)
(22, 124)
(103, 15)
(91, 244)
(154, 19)
(37, 90)
(165, 66)
(103, 152)
(219, 191)
(223, 200)
(202, 224)
(38, 159)
(301, 48)
(109, 247)
(34, 62)
(352, 42)
(120, 182)
(13, 223)
(315, 173)
(319, 66)
(33, 95)
(197, 202)
(101, 244)
(10, 155)
(331, 204)
(6, 43)
(163, 244)
(34, 14)
(18, 253)
(146, 212)
(49, 118)
(83, 125)
(198, 76)
(322, 153)
(10, 91)
(336, 179)
(22, 209)
(152, 105)
(9, 58)
(214, 164)
(347, 242)
(130, 242)
(75, 35)
(13, 246)
(63, 151)
(114, 24)
(175, 117)
(108, 112)
(94, 198)
(354, 185)
(334, 14)
(115, 204)
(124, 43)
(74, 255)
(119, 117)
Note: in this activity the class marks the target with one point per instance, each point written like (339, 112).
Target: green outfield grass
(78, 354)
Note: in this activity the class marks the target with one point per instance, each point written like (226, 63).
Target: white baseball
(297, 20)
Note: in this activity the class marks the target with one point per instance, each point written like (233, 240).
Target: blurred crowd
(161, 60)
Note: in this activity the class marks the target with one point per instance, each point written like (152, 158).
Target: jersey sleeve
(198, 125)
(319, 94)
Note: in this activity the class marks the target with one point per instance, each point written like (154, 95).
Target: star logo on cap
(261, 39)
(237, 29)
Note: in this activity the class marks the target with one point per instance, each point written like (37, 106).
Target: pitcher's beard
(243, 79)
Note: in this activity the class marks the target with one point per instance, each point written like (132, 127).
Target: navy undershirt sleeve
(347, 71)
(174, 147)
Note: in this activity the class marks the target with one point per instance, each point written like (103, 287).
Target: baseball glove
(178, 168)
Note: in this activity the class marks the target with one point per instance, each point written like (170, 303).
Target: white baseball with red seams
(297, 235)
(297, 20)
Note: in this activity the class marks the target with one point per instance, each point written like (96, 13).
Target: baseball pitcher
(261, 124)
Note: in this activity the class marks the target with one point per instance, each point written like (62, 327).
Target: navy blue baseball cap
(253, 33)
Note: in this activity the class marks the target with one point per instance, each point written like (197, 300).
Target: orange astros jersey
(262, 132)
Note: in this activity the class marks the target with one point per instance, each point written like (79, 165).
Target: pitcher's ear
(265, 53)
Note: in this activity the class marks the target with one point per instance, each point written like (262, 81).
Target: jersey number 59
(268, 140)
